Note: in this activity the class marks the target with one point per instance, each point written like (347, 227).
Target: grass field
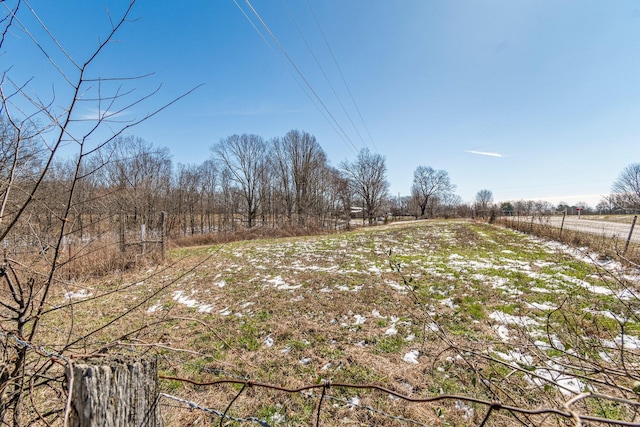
(424, 309)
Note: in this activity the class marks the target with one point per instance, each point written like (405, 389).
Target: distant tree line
(247, 181)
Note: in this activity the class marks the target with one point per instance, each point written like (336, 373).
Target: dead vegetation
(425, 309)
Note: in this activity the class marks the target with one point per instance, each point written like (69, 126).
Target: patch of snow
(607, 314)
(225, 312)
(305, 361)
(412, 357)
(627, 342)
(359, 319)
(432, 326)
(463, 407)
(391, 331)
(509, 319)
(154, 308)
(355, 400)
(600, 290)
(220, 284)
(410, 337)
(515, 356)
(83, 293)
(502, 331)
(277, 418)
(627, 295)
(268, 341)
(375, 313)
(541, 306)
(448, 302)
(398, 287)
(286, 287)
(540, 290)
(555, 375)
(205, 308)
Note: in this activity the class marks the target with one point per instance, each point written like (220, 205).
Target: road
(608, 229)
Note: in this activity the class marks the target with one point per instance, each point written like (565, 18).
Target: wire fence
(320, 394)
(567, 412)
(620, 237)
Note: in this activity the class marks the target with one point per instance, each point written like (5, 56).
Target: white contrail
(485, 153)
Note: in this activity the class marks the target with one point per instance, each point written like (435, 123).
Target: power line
(326, 77)
(335, 61)
(335, 124)
(293, 76)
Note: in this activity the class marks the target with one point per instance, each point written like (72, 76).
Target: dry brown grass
(309, 295)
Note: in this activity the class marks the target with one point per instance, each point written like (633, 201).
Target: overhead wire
(326, 77)
(332, 120)
(293, 76)
(344, 81)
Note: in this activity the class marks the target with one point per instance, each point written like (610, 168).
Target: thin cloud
(95, 114)
(485, 153)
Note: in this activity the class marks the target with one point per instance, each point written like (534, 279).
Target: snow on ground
(411, 357)
(452, 278)
(81, 294)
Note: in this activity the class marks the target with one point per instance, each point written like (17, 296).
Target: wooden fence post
(633, 224)
(115, 392)
(163, 233)
(564, 214)
(122, 232)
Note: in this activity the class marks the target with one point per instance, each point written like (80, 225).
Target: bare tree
(484, 199)
(298, 163)
(244, 157)
(627, 186)
(429, 185)
(34, 132)
(140, 173)
(367, 179)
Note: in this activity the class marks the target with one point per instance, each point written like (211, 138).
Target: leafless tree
(140, 175)
(34, 131)
(429, 185)
(298, 163)
(244, 157)
(484, 199)
(367, 179)
(627, 186)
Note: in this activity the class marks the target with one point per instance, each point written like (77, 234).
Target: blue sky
(529, 99)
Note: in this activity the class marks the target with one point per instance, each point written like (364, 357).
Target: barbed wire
(21, 342)
(365, 407)
(193, 405)
(221, 372)
(491, 406)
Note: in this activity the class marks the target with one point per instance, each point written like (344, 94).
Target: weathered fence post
(122, 233)
(633, 224)
(163, 233)
(115, 392)
(143, 238)
(564, 214)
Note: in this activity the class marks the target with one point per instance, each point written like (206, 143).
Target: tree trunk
(118, 392)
